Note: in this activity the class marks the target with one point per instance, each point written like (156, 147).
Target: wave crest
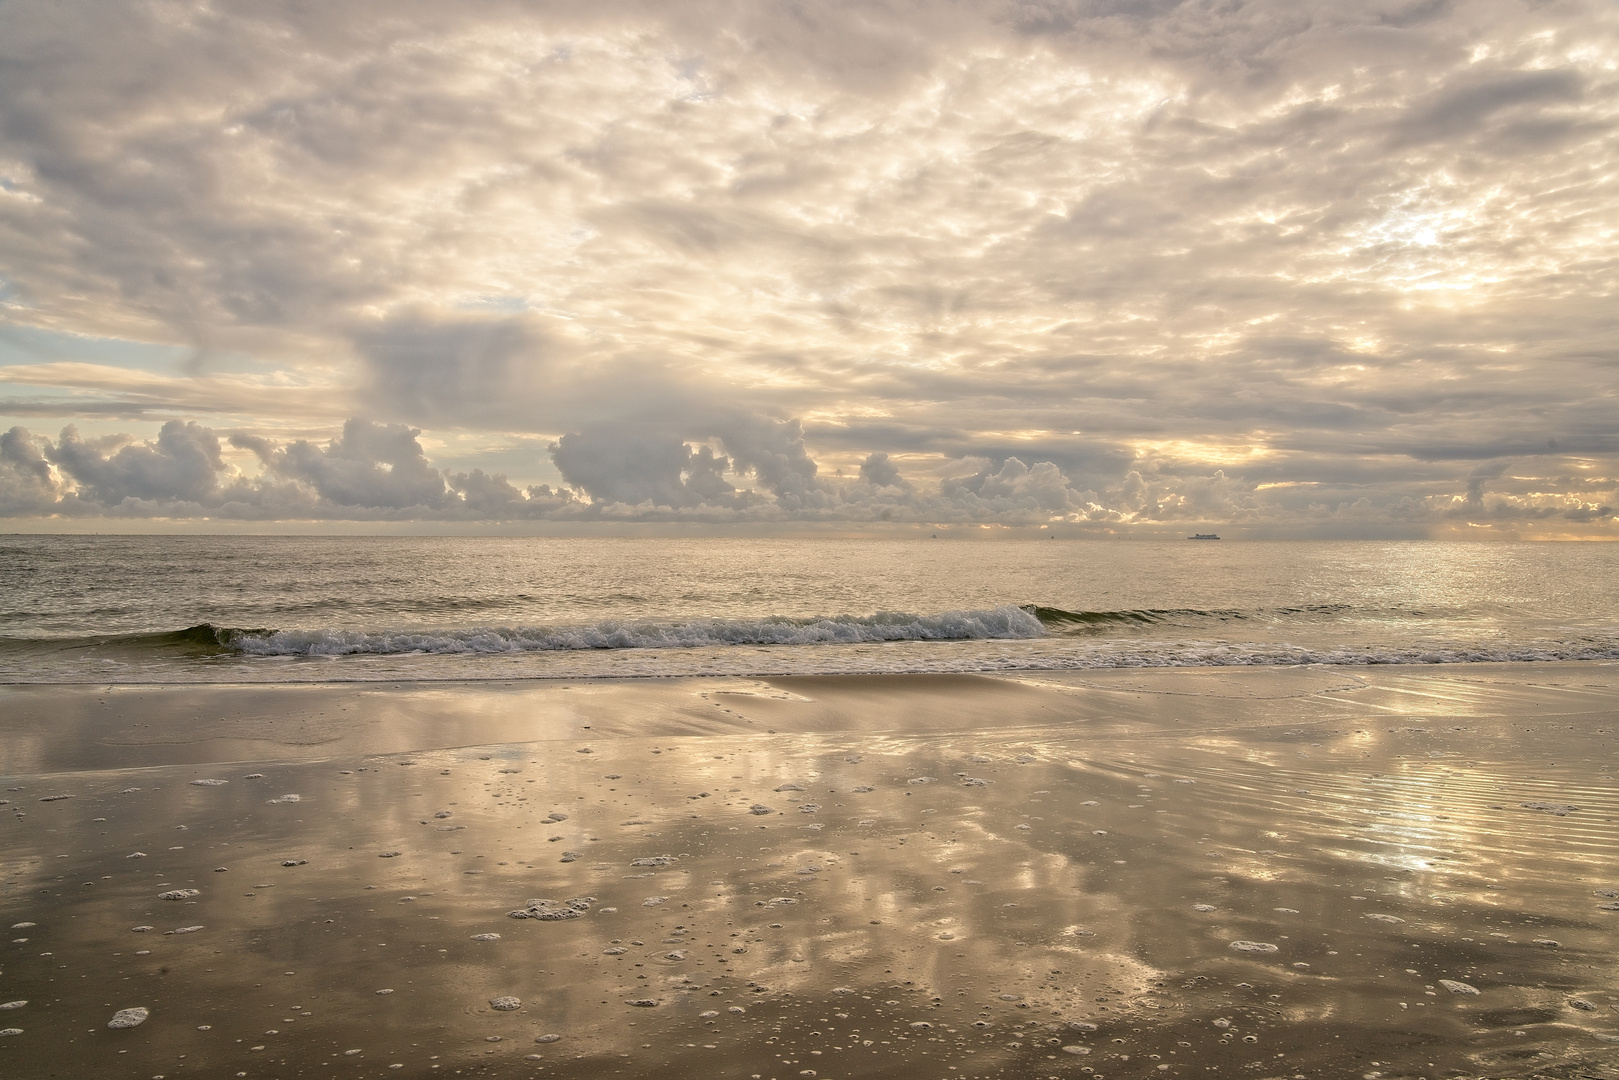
(1006, 622)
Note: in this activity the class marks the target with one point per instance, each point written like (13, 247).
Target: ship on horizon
(1204, 536)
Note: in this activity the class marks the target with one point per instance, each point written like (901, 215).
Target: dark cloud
(369, 465)
(617, 465)
(27, 484)
(878, 471)
(450, 371)
(1463, 106)
(182, 465)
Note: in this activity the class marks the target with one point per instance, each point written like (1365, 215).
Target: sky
(1284, 268)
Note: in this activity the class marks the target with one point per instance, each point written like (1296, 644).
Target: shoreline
(1040, 874)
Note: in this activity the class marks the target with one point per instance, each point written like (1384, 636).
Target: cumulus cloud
(633, 467)
(1281, 262)
(182, 466)
(380, 472)
(27, 483)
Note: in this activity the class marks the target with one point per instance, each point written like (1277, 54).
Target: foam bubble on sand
(209, 783)
(389, 854)
(571, 856)
(140, 929)
(549, 1037)
(862, 789)
(654, 901)
(737, 1009)
(922, 780)
(551, 911)
(641, 1003)
(6, 1033)
(12, 1004)
(254, 776)
(1465, 989)
(1548, 943)
(179, 894)
(22, 925)
(442, 814)
(55, 798)
(1385, 918)
(1204, 907)
(1253, 946)
(789, 787)
(760, 808)
(809, 808)
(973, 781)
(1609, 907)
(1560, 809)
(485, 937)
(505, 1003)
(128, 1018)
(1582, 1005)
(655, 860)
(1076, 1050)
(556, 815)
(183, 930)
(284, 799)
(136, 855)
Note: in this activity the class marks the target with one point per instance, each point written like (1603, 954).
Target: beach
(1267, 872)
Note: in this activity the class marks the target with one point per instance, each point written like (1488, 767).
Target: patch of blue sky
(35, 345)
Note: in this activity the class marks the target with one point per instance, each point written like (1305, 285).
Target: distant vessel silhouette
(1203, 536)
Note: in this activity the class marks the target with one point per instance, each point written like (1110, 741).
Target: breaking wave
(1007, 638)
(1006, 622)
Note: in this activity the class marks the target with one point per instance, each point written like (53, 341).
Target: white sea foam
(1005, 622)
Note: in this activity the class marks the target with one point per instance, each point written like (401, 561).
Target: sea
(272, 609)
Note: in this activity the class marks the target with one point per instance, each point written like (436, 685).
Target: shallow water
(1372, 828)
(288, 609)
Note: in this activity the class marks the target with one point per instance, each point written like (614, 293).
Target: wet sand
(1399, 872)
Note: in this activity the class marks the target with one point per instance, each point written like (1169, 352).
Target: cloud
(369, 465)
(27, 483)
(380, 472)
(631, 466)
(1465, 105)
(1279, 262)
(455, 369)
(181, 466)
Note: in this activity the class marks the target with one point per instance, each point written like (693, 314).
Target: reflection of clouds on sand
(1347, 882)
